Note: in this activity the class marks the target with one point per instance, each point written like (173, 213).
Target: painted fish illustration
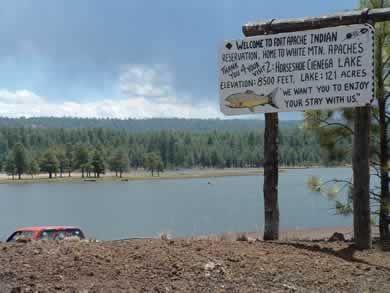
(250, 100)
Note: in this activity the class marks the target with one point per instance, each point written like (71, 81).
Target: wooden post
(271, 176)
(361, 179)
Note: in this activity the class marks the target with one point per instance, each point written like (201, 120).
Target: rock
(232, 259)
(209, 266)
(337, 237)
(16, 289)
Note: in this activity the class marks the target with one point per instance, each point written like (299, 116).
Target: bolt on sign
(328, 68)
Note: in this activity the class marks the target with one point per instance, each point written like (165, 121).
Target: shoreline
(137, 176)
(304, 234)
(141, 175)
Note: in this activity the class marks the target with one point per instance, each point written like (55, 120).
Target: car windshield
(21, 234)
(54, 234)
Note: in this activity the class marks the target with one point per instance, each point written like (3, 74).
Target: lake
(182, 207)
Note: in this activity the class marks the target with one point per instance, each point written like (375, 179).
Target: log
(308, 23)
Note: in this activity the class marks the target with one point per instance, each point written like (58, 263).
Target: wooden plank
(298, 24)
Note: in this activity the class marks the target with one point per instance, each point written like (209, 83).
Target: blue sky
(125, 58)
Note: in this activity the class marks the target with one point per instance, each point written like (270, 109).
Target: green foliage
(153, 162)
(344, 209)
(74, 148)
(33, 168)
(119, 162)
(314, 183)
(81, 158)
(69, 158)
(62, 160)
(98, 163)
(373, 3)
(49, 163)
(20, 159)
(298, 147)
(332, 191)
(334, 131)
(138, 125)
(10, 167)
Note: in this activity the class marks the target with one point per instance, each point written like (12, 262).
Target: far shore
(135, 175)
(141, 174)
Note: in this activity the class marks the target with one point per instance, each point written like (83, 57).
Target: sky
(126, 58)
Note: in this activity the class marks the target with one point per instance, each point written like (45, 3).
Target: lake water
(183, 207)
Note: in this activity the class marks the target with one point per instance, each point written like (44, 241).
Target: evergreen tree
(69, 158)
(62, 161)
(20, 159)
(81, 157)
(98, 163)
(119, 162)
(10, 167)
(152, 162)
(33, 168)
(49, 163)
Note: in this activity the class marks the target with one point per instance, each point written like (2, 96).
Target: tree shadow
(346, 253)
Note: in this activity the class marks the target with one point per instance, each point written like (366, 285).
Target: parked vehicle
(46, 232)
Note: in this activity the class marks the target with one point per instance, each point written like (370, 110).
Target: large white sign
(329, 68)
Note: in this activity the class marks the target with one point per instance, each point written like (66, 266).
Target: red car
(47, 232)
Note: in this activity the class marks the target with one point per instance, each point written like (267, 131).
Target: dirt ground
(191, 266)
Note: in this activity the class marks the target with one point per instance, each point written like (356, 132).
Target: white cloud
(146, 81)
(148, 92)
(28, 104)
(19, 97)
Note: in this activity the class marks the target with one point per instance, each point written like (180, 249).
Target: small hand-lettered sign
(321, 69)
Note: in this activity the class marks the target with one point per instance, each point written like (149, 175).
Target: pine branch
(330, 124)
(387, 74)
(385, 63)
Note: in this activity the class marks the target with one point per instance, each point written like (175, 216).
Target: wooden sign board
(322, 69)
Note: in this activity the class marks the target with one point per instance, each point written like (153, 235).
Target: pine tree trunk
(50, 175)
(19, 176)
(361, 179)
(384, 174)
(383, 148)
(270, 188)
